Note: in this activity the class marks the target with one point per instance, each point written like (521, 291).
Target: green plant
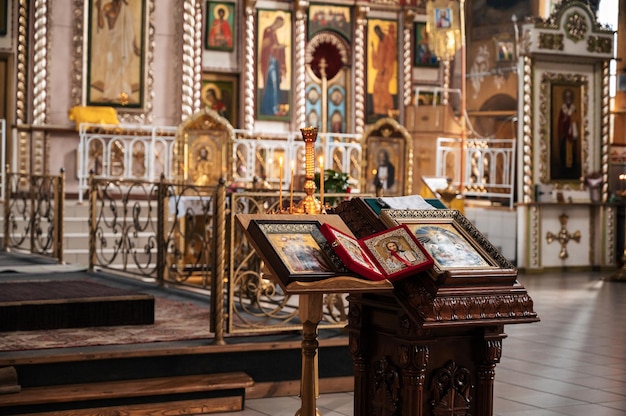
(334, 183)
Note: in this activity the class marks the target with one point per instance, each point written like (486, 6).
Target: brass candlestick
(310, 204)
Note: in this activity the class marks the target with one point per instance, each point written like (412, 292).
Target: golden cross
(563, 237)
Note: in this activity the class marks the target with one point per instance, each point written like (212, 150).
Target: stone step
(192, 394)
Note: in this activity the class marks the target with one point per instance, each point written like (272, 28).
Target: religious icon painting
(456, 245)
(274, 65)
(330, 18)
(385, 165)
(219, 93)
(382, 69)
(220, 26)
(3, 17)
(423, 56)
(115, 53)
(567, 131)
(294, 250)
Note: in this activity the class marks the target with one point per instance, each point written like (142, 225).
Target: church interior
(175, 172)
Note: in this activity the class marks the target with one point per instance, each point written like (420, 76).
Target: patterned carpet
(174, 321)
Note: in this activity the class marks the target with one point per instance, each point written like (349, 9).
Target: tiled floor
(572, 363)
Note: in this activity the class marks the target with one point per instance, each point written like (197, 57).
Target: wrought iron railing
(33, 214)
(188, 236)
(489, 168)
(3, 156)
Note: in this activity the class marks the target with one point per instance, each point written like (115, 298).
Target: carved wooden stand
(428, 350)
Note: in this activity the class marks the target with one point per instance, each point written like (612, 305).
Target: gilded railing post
(161, 243)
(217, 281)
(7, 207)
(59, 208)
(93, 195)
(32, 180)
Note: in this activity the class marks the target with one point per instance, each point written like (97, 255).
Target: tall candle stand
(309, 204)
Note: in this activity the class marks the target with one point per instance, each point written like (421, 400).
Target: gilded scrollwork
(551, 41)
(576, 26)
(600, 44)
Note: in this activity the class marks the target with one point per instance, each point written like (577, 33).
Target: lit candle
(321, 183)
(291, 188)
(280, 186)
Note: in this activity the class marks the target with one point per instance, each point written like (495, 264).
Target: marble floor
(572, 363)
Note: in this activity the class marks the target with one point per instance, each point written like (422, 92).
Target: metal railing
(33, 214)
(258, 155)
(489, 167)
(4, 150)
(188, 236)
(145, 153)
(124, 152)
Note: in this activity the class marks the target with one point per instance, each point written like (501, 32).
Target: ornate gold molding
(601, 44)
(534, 238)
(576, 27)
(551, 41)
(611, 238)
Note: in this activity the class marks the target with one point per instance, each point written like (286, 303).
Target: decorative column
(249, 67)
(407, 53)
(486, 372)
(22, 147)
(38, 140)
(526, 130)
(192, 58)
(300, 62)
(358, 359)
(359, 69)
(605, 124)
(414, 361)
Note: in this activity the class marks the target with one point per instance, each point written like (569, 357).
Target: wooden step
(192, 394)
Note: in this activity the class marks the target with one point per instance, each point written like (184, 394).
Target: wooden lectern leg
(310, 315)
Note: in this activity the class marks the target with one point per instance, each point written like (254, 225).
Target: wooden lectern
(430, 347)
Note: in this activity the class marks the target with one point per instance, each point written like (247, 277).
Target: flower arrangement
(334, 182)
